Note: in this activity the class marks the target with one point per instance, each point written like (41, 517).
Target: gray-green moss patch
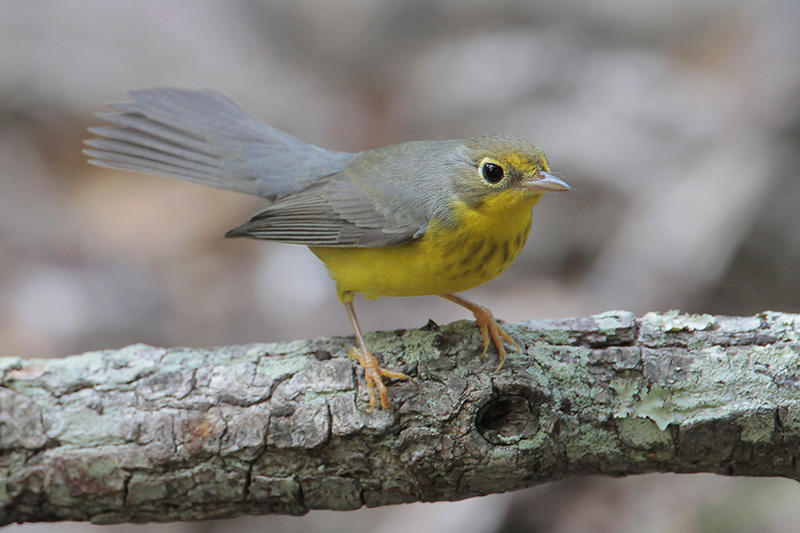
(610, 321)
(673, 320)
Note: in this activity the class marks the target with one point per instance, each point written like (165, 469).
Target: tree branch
(153, 434)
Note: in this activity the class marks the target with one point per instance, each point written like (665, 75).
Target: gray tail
(204, 137)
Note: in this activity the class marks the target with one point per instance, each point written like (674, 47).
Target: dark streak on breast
(518, 240)
(473, 251)
(506, 252)
(489, 254)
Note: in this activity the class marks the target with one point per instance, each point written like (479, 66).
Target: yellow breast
(484, 242)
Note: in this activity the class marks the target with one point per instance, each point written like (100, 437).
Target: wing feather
(332, 212)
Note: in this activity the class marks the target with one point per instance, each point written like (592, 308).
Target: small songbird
(411, 219)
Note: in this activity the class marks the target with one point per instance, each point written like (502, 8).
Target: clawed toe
(489, 328)
(373, 375)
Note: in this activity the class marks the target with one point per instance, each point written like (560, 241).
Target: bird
(411, 219)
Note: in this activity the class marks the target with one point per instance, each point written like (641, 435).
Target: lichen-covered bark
(143, 433)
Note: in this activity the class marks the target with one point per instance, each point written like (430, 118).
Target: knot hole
(507, 419)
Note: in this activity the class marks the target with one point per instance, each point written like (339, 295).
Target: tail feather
(204, 137)
(135, 143)
(137, 128)
(177, 163)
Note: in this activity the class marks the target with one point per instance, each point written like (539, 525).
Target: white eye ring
(492, 172)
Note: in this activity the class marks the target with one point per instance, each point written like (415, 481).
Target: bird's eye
(492, 172)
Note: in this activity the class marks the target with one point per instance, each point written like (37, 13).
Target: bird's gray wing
(332, 212)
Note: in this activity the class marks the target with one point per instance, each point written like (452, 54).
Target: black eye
(491, 172)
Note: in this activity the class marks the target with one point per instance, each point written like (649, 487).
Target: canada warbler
(410, 219)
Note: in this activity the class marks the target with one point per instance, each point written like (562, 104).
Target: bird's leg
(373, 373)
(490, 330)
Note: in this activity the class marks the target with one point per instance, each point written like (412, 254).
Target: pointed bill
(546, 182)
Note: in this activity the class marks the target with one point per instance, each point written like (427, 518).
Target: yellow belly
(444, 260)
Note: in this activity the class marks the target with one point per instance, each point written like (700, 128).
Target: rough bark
(152, 434)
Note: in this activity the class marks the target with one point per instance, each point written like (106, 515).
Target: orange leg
(490, 330)
(373, 373)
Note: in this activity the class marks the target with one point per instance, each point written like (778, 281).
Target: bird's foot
(374, 374)
(490, 331)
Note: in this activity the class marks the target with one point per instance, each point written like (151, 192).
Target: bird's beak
(546, 182)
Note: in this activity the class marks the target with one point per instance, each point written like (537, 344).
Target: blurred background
(678, 124)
